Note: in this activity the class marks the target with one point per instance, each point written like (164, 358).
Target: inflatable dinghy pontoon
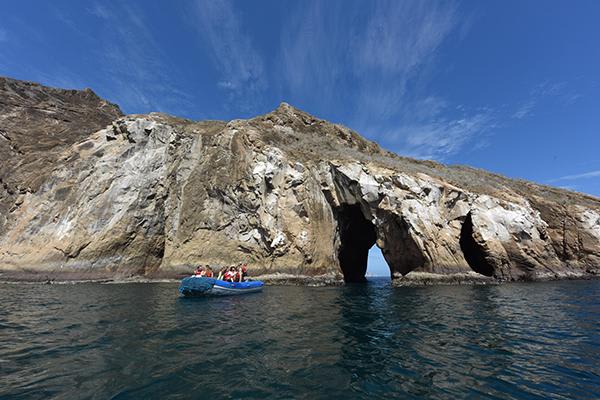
(194, 286)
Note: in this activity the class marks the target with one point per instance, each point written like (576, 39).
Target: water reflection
(357, 341)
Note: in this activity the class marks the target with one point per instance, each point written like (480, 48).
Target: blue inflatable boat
(194, 286)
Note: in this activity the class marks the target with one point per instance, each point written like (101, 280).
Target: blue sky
(511, 86)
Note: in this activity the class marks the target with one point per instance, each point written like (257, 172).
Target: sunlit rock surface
(154, 195)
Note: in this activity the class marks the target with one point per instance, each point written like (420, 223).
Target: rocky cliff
(37, 124)
(90, 193)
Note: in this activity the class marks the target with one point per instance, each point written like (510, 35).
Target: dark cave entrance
(474, 253)
(357, 236)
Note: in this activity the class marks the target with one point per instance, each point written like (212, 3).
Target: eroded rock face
(154, 195)
(37, 124)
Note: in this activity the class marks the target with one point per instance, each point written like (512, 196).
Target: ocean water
(142, 341)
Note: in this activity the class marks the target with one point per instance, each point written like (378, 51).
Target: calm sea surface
(142, 341)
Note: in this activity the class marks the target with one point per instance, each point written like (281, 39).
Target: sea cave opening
(474, 253)
(357, 244)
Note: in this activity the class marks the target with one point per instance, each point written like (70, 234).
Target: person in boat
(199, 271)
(230, 275)
(209, 271)
(222, 272)
(226, 274)
(244, 272)
(238, 272)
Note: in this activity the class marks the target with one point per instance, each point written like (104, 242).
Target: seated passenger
(244, 272)
(227, 276)
(199, 271)
(230, 275)
(209, 271)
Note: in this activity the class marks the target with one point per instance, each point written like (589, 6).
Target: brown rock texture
(37, 124)
(88, 193)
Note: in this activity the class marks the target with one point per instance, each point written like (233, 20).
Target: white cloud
(585, 175)
(387, 51)
(524, 110)
(543, 91)
(101, 12)
(324, 45)
(133, 63)
(396, 51)
(548, 88)
(240, 66)
(441, 137)
(570, 187)
(400, 36)
(315, 51)
(226, 84)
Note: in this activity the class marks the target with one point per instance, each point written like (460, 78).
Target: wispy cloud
(380, 47)
(100, 11)
(545, 90)
(400, 48)
(28, 35)
(387, 56)
(525, 109)
(315, 52)
(400, 36)
(574, 177)
(395, 54)
(240, 66)
(568, 187)
(135, 65)
(441, 137)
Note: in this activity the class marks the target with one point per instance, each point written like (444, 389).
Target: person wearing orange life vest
(230, 275)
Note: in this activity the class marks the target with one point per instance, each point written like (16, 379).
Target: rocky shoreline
(87, 193)
(415, 279)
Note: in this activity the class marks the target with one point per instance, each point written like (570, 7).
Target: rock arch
(357, 235)
(400, 249)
